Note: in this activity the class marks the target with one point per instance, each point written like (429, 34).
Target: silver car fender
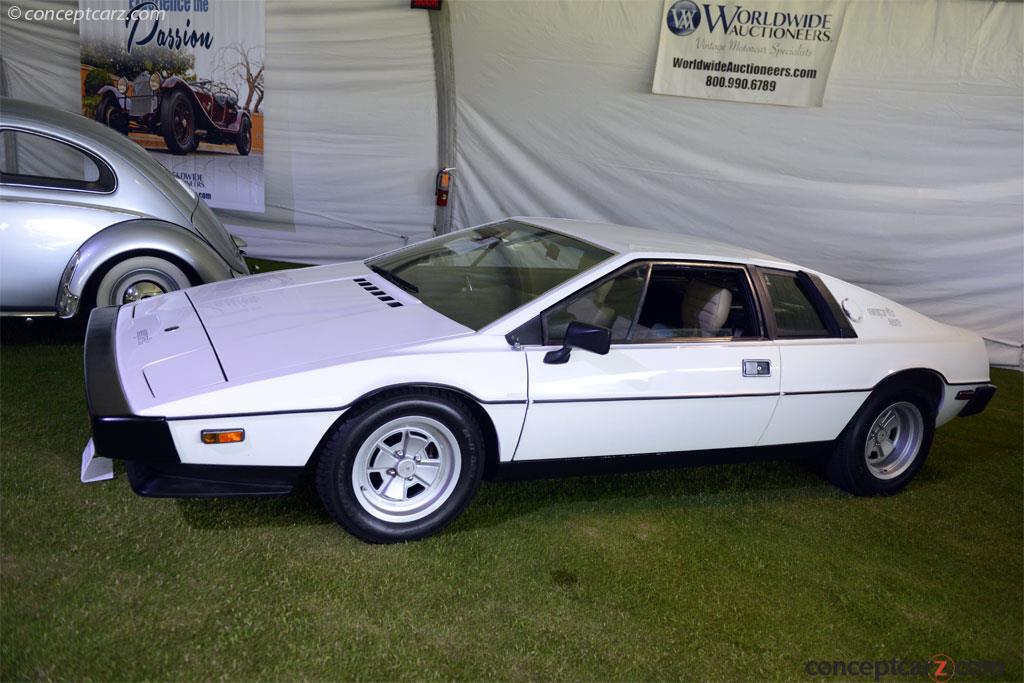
(144, 235)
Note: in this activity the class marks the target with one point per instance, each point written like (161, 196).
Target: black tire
(337, 455)
(848, 465)
(243, 141)
(178, 123)
(103, 111)
(110, 115)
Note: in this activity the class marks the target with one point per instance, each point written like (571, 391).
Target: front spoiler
(155, 468)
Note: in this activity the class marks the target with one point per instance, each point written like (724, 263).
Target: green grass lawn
(735, 572)
(259, 265)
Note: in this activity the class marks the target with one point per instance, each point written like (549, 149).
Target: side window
(795, 315)
(610, 303)
(692, 302)
(29, 159)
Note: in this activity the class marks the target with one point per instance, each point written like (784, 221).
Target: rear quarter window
(40, 161)
(795, 314)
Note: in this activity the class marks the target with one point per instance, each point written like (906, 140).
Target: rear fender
(144, 235)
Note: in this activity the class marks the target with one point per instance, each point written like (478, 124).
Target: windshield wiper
(401, 282)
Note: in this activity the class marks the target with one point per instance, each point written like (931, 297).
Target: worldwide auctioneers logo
(685, 16)
(938, 668)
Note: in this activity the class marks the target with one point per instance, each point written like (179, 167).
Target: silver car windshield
(476, 276)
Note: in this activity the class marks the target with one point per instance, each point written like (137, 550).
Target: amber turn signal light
(223, 435)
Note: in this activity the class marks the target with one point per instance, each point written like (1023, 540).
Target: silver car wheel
(406, 469)
(138, 278)
(894, 440)
(141, 290)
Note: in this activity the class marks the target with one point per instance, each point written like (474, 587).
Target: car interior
(681, 302)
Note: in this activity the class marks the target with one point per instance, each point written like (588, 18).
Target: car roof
(625, 239)
(42, 117)
(115, 148)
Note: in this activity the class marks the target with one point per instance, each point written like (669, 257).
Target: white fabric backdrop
(351, 121)
(907, 181)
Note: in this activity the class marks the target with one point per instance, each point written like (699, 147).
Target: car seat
(705, 310)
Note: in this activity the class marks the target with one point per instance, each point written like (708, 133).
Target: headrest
(706, 307)
(585, 310)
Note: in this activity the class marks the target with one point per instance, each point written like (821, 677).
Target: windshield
(476, 276)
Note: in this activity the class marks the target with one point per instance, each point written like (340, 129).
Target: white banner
(183, 79)
(766, 51)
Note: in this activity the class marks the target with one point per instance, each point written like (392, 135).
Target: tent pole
(444, 76)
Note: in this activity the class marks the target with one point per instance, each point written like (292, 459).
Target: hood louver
(377, 292)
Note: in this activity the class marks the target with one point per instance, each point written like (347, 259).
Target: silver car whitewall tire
(137, 278)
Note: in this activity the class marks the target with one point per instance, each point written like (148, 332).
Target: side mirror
(581, 336)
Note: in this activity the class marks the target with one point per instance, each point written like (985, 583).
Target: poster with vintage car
(184, 80)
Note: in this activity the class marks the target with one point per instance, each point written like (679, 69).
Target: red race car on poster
(182, 112)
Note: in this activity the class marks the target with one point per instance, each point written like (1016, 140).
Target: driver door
(688, 369)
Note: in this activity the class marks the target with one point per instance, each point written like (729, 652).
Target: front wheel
(402, 467)
(111, 115)
(885, 445)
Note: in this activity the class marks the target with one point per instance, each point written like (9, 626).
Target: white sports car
(523, 344)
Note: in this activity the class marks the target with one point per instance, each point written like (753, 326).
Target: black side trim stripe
(826, 391)
(697, 396)
(332, 409)
(650, 398)
(297, 411)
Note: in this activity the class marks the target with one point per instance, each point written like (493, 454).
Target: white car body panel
(648, 398)
(283, 440)
(284, 355)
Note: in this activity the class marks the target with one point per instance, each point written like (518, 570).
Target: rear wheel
(886, 444)
(137, 278)
(401, 468)
(243, 142)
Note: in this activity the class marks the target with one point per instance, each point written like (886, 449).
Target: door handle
(757, 368)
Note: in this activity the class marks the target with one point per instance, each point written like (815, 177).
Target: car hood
(265, 324)
(179, 344)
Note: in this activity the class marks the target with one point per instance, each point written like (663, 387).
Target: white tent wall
(908, 181)
(351, 121)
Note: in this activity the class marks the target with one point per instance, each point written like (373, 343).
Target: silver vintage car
(88, 218)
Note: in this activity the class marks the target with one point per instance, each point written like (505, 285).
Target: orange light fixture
(211, 436)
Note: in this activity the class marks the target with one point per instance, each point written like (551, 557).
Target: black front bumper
(145, 443)
(978, 401)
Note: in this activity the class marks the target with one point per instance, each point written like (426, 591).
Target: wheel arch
(97, 276)
(141, 237)
(932, 381)
(475, 405)
(111, 93)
